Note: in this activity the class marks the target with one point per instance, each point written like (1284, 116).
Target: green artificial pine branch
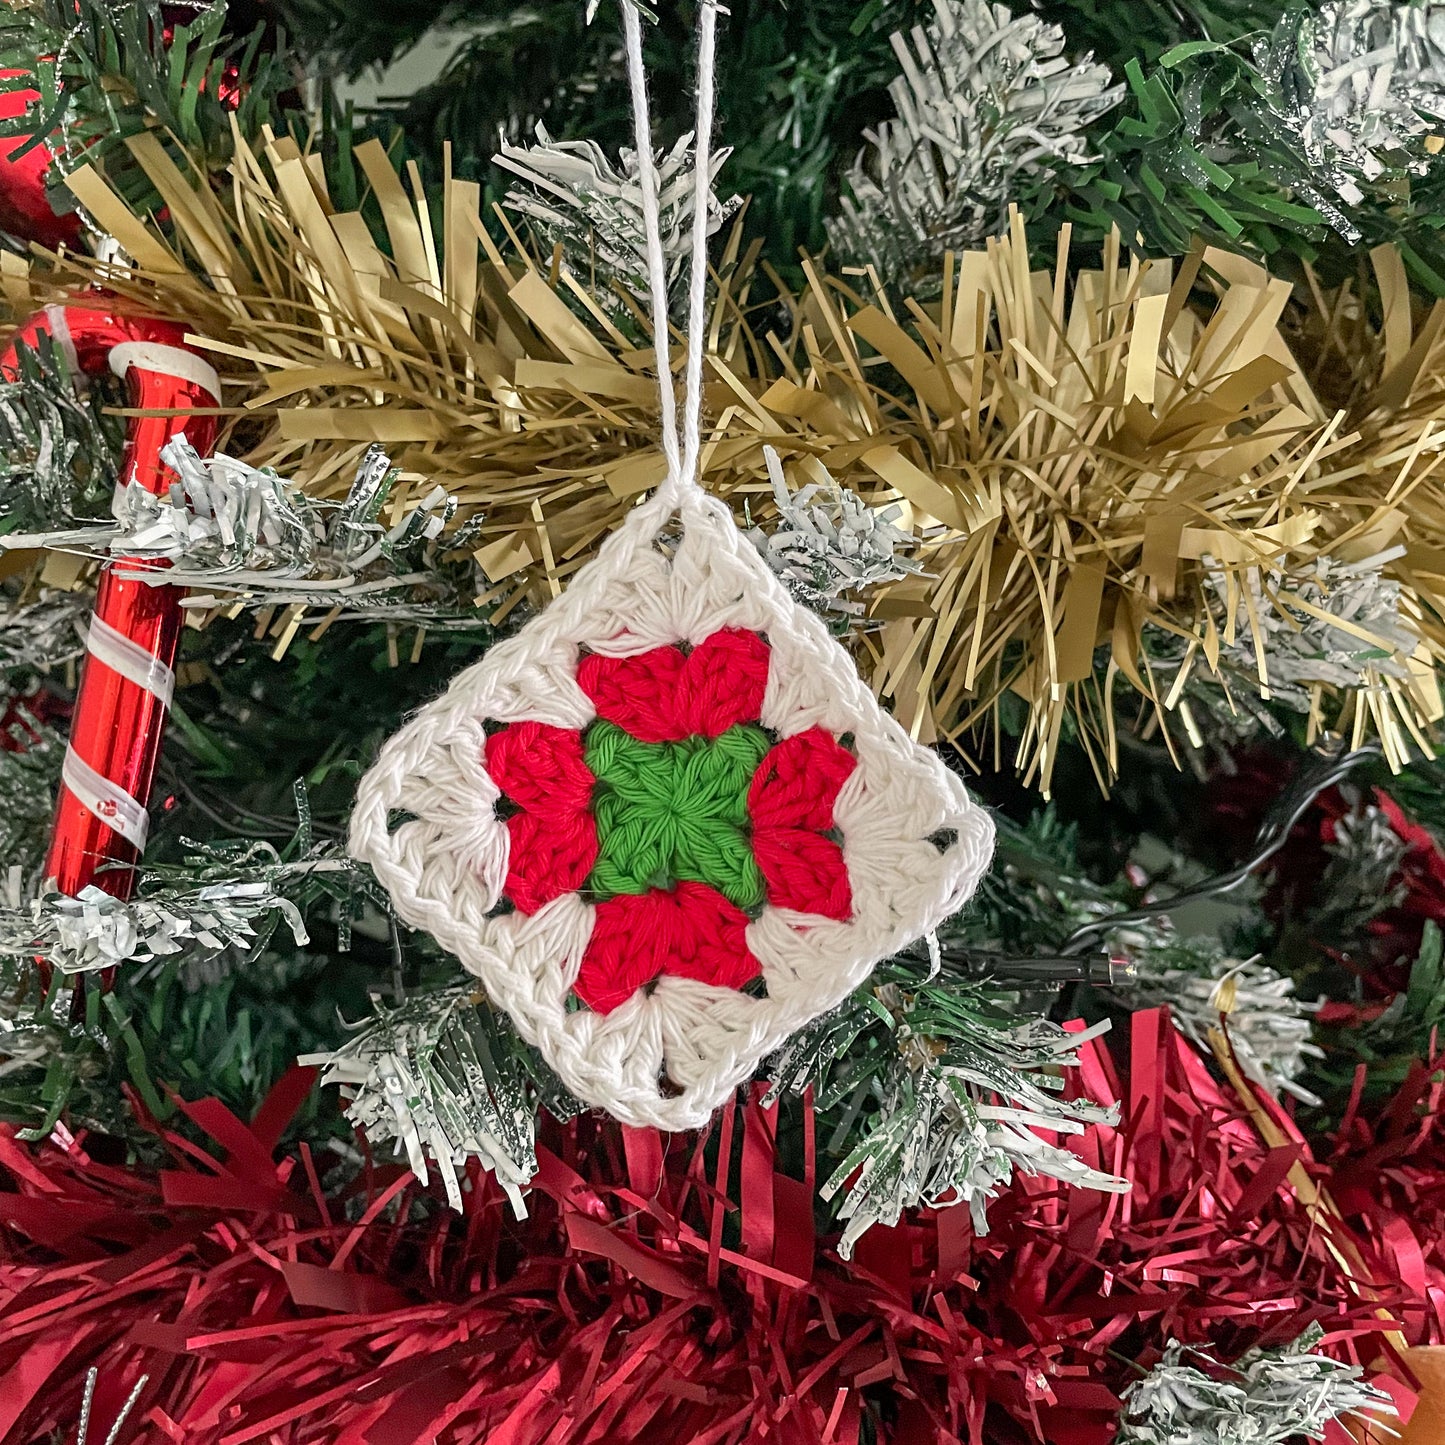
(577, 199)
(39, 636)
(218, 1032)
(226, 528)
(1037, 892)
(207, 996)
(828, 545)
(511, 68)
(985, 103)
(1311, 627)
(445, 1079)
(225, 898)
(1230, 128)
(1118, 31)
(1408, 1035)
(1362, 875)
(796, 86)
(354, 36)
(1202, 984)
(1038, 895)
(930, 1089)
(1357, 85)
(1243, 138)
(1175, 164)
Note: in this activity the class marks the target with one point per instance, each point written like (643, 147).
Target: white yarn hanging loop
(652, 230)
(697, 284)
(682, 479)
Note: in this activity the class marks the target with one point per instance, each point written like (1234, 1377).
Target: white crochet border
(445, 866)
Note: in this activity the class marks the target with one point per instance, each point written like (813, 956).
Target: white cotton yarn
(914, 843)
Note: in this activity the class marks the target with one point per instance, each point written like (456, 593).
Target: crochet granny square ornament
(667, 824)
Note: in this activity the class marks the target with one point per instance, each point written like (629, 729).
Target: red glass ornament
(25, 209)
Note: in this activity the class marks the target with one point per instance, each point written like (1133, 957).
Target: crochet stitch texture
(667, 824)
(673, 783)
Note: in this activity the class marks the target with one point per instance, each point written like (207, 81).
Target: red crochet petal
(639, 693)
(621, 955)
(690, 931)
(549, 856)
(710, 943)
(660, 696)
(804, 871)
(797, 782)
(723, 682)
(541, 768)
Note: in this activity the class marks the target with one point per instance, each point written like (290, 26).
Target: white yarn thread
(682, 469)
(652, 230)
(697, 287)
(914, 843)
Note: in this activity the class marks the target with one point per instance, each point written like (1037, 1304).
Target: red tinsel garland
(1389, 1182)
(638, 1301)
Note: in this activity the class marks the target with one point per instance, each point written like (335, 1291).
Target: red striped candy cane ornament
(127, 679)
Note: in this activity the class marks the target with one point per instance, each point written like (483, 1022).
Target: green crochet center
(674, 811)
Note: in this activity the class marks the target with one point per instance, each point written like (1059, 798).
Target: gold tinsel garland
(1083, 456)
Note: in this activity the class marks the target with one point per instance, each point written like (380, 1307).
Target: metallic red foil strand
(117, 724)
(1389, 1183)
(651, 1295)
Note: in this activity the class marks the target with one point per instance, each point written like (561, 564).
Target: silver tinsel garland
(229, 530)
(578, 199)
(983, 97)
(1359, 84)
(828, 542)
